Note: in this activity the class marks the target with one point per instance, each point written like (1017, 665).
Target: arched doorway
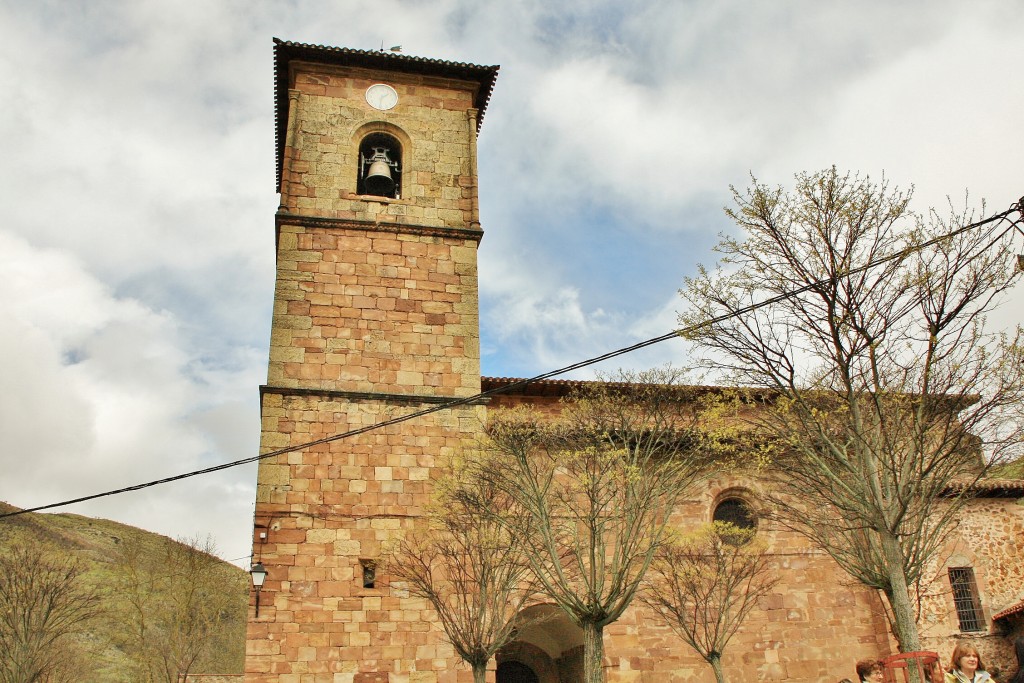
(515, 672)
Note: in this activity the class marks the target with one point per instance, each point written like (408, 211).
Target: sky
(137, 194)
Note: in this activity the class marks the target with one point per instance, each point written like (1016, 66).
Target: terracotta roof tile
(1015, 609)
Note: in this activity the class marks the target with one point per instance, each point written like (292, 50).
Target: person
(965, 666)
(1018, 645)
(870, 671)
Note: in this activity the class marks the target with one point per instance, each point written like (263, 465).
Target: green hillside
(1010, 470)
(162, 602)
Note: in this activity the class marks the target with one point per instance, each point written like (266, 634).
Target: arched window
(380, 166)
(735, 511)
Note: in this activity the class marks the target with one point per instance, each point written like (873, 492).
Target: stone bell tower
(375, 315)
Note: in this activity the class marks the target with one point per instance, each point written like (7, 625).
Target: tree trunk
(904, 621)
(479, 672)
(716, 665)
(593, 653)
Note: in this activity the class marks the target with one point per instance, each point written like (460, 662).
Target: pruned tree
(180, 618)
(866, 323)
(468, 566)
(592, 491)
(703, 585)
(44, 603)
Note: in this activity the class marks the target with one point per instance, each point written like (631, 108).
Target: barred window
(965, 598)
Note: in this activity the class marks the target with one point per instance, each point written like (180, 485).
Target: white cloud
(98, 395)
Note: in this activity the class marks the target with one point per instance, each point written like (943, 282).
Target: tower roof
(286, 51)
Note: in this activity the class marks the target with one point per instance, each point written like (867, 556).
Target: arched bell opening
(380, 166)
(548, 649)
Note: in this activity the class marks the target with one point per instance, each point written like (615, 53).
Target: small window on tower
(380, 166)
(369, 573)
(965, 598)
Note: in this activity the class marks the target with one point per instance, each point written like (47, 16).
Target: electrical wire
(455, 403)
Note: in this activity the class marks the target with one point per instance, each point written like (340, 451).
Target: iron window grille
(965, 598)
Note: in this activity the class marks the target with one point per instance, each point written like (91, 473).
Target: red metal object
(897, 668)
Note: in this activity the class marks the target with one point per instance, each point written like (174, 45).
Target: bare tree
(885, 386)
(43, 604)
(594, 489)
(179, 614)
(468, 566)
(703, 586)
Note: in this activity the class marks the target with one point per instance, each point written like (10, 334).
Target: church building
(375, 318)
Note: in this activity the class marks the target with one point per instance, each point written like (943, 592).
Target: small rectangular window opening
(369, 572)
(965, 598)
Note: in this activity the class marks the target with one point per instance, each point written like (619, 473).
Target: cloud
(938, 116)
(136, 235)
(100, 395)
(532, 326)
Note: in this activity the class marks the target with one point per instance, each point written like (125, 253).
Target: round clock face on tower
(381, 96)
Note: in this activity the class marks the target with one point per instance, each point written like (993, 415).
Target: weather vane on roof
(393, 48)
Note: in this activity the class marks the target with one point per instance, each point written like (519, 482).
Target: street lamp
(259, 575)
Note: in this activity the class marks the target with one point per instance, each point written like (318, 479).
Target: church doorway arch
(548, 649)
(516, 672)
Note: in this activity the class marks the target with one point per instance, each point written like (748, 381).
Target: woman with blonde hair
(870, 671)
(965, 666)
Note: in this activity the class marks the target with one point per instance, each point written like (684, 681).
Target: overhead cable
(454, 403)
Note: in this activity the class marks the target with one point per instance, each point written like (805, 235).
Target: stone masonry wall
(989, 537)
(366, 310)
(338, 504)
(814, 626)
(327, 509)
(819, 621)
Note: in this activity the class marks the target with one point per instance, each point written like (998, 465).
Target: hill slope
(142, 574)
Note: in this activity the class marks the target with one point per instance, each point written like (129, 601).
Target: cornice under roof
(286, 51)
(988, 487)
(517, 386)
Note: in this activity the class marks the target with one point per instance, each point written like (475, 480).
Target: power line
(454, 403)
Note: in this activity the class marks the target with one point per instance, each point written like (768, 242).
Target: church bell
(378, 179)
